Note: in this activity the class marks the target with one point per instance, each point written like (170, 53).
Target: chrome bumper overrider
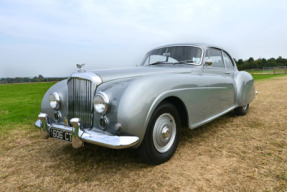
(79, 135)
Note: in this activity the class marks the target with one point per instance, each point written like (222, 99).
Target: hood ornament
(79, 66)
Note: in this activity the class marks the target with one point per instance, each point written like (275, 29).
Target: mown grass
(266, 76)
(20, 104)
(232, 153)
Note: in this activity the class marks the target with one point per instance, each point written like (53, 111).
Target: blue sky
(49, 37)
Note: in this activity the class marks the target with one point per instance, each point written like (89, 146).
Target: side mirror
(208, 62)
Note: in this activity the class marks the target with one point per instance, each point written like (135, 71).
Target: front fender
(62, 89)
(142, 96)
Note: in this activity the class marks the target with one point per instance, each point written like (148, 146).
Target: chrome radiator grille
(80, 103)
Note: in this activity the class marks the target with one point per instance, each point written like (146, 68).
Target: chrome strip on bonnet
(81, 135)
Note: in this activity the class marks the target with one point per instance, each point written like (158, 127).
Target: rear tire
(161, 137)
(241, 111)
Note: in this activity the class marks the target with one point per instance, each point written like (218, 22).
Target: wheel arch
(245, 92)
(177, 103)
(180, 107)
(150, 149)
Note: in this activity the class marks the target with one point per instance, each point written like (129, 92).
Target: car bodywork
(199, 91)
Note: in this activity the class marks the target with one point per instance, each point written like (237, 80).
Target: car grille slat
(80, 101)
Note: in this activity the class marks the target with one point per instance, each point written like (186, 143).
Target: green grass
(266, 76)
(20, 103)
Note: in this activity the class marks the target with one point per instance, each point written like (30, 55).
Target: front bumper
(80, 135)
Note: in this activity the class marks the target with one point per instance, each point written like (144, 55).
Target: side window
(228, 62)
(215, 56)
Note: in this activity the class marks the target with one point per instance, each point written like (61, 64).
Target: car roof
(204, 46)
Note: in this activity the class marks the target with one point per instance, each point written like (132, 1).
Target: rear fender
(245, 90)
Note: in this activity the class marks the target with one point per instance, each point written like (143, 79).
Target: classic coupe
(145, 107)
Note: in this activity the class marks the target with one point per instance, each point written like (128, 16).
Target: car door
(221, 82)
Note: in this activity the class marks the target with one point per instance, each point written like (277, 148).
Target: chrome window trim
(233, 64)
(221, 58)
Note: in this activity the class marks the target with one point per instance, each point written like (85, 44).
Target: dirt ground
(232, 153)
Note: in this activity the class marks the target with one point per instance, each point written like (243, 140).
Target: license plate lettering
(62, 135)
(68, 136)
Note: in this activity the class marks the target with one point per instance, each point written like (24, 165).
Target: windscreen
(174, 54)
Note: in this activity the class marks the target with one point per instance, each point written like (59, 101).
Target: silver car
(145, 107)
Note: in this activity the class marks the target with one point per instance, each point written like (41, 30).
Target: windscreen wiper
(185, 62)
(160, 62)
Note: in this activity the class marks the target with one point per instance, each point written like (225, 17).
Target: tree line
(260, 63)
(241, 65)
(38, 78)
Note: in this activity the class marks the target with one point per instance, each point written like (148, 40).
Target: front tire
(161, 137)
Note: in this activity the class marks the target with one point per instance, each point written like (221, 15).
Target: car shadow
(97, 158)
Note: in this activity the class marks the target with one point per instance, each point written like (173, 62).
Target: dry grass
(230, 154)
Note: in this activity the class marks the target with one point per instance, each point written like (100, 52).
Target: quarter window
(228, 62)
(215, 56)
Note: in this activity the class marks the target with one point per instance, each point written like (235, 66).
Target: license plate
(62, 135)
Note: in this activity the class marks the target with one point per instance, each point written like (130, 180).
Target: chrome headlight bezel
(55, 100)
(101, 103)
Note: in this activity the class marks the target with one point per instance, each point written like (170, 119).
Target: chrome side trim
(81, 135)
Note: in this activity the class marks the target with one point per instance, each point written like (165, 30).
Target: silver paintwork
(202, 93)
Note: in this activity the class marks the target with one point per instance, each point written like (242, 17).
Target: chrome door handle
(227, 72)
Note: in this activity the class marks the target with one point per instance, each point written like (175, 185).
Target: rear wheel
(241, 111)
(161, 137)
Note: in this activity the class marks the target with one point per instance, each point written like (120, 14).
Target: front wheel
(161, 137)
(241, 111)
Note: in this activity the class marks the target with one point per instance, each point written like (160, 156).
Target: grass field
(232, 153)
(20, 103)
(267, 76)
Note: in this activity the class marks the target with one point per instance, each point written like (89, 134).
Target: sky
(49, 37)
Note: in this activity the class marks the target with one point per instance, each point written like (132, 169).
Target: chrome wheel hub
(164, 132)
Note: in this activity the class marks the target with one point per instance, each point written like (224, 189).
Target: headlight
(55, 100)
(101, 103)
